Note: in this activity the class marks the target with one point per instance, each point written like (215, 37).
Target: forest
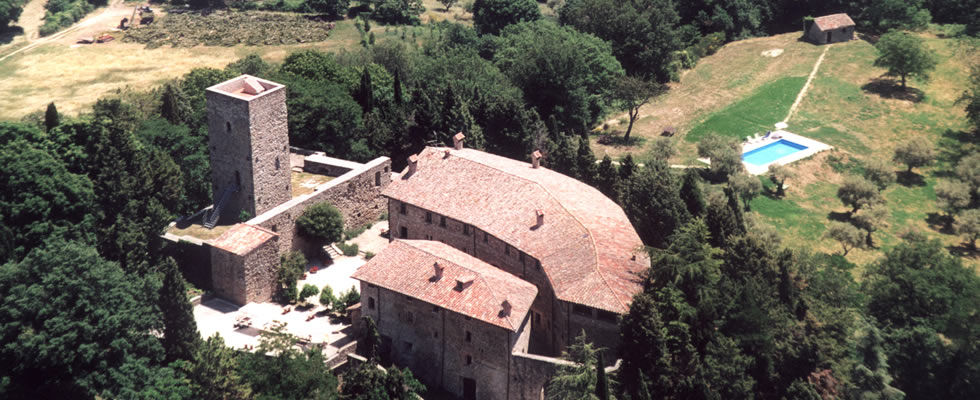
(93, 307)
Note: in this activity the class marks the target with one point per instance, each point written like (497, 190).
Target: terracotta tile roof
(833, 21)
(409, 267)
(243, 238)
(586, 244)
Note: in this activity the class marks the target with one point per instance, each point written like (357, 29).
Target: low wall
(529, 375)
(356, 193)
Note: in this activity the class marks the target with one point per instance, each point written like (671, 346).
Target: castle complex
(494, 265)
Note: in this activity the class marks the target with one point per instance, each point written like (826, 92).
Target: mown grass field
(847, 106)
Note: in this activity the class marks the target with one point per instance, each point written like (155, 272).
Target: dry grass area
(735, 71)
(199, 231)
(224, 28)
(305, 182)
(26, 27)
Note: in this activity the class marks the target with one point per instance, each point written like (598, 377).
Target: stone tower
(249, 147)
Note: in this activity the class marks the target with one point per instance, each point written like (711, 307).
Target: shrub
(349, 250)
(368, 255)
(346, 299)
(323, 221)
(327, 299)
(307, 292)
(398, 11)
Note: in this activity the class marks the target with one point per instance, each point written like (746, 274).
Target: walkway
(799, 97)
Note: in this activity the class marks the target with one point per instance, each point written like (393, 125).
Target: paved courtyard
(222, 317)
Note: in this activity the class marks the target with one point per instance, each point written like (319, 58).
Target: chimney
(438, 270)
(413, 163)
(446, 154)
(458, 141)
(464, 282)
(536, 159)
(540, 213)
(505, 308)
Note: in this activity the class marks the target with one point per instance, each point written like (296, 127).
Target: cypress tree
(180, 336)
(653, 204)
(585, 162)
(627, 168)
(562, 158)
(51, 118)
(365, 93)
(173, 105)
(691, 193)
(398, 88)
(602, 382)
(607, 178)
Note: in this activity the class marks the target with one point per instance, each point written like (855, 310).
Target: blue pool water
(771, 152)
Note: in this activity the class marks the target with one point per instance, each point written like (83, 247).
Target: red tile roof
(833, 21)
(408, 267)
(587, 246)
(243, 238)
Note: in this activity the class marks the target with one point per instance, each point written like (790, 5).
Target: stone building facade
(251, 165)
(452, 319)
(574, 245)
(249, 145)
(829, 29)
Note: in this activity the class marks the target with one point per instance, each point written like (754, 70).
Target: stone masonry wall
(530, 375)
(228, 275)
(491, 250)
(261, 270)
(249, 146)
(441, 347)
(357, 194)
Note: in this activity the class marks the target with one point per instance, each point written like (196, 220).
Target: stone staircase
(332, 251)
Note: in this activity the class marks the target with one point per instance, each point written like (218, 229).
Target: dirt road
(92, 25)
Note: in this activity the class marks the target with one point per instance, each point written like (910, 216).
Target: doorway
(469, 389)
(403, 233)
(828, 36)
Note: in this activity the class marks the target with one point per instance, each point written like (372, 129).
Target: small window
(386, 170)
(370, 303)
(227, 127)
(467, 318)
(435, 309)
(537, 317)
(408, 346)
(442, 221)
(469, 359)
(469, 337)
(485, 237)
(428, 217)
(402, 208)
(466, 229)
(520, 256)
(507, 249)
(377, 175)
(435, 334)
(277, 163)
(403, 232)
(371, 285)
(537, 265)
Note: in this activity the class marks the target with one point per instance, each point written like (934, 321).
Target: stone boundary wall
(356, 193)
(529, 375)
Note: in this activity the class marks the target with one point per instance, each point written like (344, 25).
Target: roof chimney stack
(505, 308)
(438, 270)
(536, 159)
(464, 282)
(446, 154)
(413, 163)
(458, 141)
(540, 213)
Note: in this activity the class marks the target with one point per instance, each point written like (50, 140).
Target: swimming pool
(772, 152)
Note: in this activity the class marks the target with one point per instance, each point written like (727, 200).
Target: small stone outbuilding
(829, 29)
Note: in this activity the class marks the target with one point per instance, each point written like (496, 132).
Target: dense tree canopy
(492, 16)
(562, 72)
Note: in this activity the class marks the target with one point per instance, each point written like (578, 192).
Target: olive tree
(968, 224)
(917, 152)
(778, 174)
(857, 192)
(871, 219)
(725, 154)
(747, 187)
(952, 196)
(879, 172)
(846, 234)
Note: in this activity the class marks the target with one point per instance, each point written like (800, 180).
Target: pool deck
(812, 147)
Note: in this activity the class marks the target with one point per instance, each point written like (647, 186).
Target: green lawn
(754, 114)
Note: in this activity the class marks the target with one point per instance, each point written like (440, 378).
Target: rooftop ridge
(477, 273)
(595, 252)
